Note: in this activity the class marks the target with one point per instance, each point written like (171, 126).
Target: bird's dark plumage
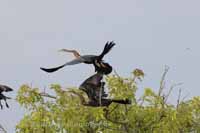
(4, 88)
(87, 59)
(51, 70)
(103, 68)
(107, 48)
(94, 89)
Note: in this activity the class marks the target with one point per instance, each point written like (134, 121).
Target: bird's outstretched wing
(106, 49)
(51, 70)
(4, 88)
(73, 62)
(81, 59)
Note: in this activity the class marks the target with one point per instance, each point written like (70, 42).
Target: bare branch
(170, 90)
(179, 97)
(162, 82)
(47, 95)
(116, 73)
(185, 96)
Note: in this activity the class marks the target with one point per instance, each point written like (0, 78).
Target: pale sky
(149, 35)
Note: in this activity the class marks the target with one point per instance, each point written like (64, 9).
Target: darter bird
(94, 88)
(4, 88)
(96, 60)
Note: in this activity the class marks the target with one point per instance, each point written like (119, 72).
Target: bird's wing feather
(4, 88)
(106, 49)
(81, 59)
(90, 85)
(88, 58)
(73, 62)
(94, 79)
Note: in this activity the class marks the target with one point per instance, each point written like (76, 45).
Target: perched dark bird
(94, 89)
(4, 88)
(96, 60)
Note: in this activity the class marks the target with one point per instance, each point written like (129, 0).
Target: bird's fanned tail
(106, 49)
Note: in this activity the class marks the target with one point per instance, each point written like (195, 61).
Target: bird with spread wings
(94, 88)
(4, 88)
(96, 60)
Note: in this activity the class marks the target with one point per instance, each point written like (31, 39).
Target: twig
(179, 97)
(170, 90)
(185, 96)
(162, 82)
(114, 108)
(47, 95)
(116, 73)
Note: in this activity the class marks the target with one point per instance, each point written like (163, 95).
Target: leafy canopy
(64, 112)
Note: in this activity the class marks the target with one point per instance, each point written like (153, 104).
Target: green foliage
(64, 112)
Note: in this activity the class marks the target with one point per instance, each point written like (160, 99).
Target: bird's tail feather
(107, 48)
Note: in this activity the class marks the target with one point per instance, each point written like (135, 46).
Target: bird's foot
(7, 105)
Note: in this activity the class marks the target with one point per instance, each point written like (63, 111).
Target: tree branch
(162, 82)
(170, 90)
(179, 97)
(44, 94)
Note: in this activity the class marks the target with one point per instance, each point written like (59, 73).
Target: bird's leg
(1, 105)
(6, 103)
(100, 94)
(103, 90)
